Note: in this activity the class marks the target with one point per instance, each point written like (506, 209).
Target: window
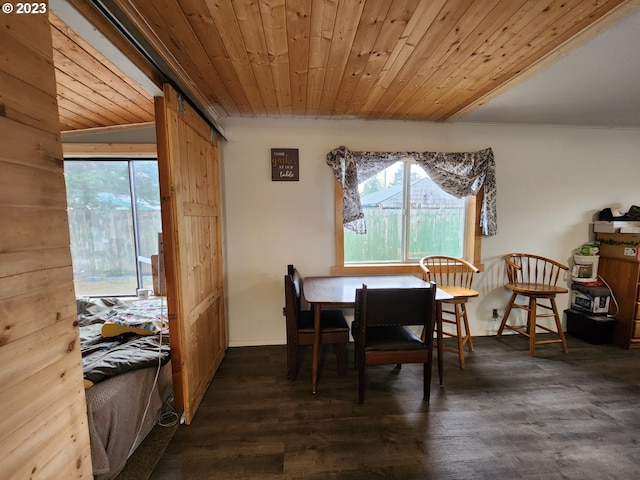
(407, 217)
(114, 221)
(410, 216)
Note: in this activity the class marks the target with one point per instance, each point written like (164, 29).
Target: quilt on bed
(108, 356)
(121, 411)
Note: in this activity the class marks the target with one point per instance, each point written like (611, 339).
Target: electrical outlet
(495, 313)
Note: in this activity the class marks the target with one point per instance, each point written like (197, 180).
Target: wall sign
(284, 165)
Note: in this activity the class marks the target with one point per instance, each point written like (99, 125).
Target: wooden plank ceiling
(370, 59)
(92, 91)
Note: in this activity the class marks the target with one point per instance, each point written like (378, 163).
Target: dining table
(339, 292)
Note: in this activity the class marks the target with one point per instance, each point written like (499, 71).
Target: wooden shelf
(623, 276)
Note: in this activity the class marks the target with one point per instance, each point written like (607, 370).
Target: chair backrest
(533, 269)
(447, 271)
(396, 307)
(381, 320)
(292, 293)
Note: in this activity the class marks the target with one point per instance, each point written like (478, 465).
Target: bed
(127, 375)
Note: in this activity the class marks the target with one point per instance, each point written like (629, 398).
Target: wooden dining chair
(300, 328)
(382, 334)
(455, 277)
(535, 278)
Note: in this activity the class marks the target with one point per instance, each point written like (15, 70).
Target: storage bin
(594, 329)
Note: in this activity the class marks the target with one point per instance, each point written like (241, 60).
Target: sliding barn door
(190, 194)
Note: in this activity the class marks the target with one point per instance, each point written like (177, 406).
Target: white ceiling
(596, 84)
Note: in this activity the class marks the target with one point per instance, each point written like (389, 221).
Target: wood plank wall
(43, 426)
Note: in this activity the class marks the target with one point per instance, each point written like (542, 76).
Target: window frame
(472, 244)
(116, 152)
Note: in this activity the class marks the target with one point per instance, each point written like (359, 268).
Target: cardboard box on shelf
(619, 245)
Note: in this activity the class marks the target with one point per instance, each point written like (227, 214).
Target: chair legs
(463, 338)
(360, 382)
(292, 361)
(341, 354)
(293, 354)
(529, 330)
(563, 340)
(426, 381)
(531, 325)
(462, 331)
(507, 311)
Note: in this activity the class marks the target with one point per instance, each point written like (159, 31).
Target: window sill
(382, 269)
(377, 269)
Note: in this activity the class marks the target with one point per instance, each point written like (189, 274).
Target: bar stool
(454, 276)
(535, 278)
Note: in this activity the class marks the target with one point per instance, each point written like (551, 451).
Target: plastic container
(585, 268)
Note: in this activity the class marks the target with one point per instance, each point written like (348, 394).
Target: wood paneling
(43, 429)
(110, 150)
(429, 60)
(91, 90)
(372, 59)
(191, 224)
(623, 276)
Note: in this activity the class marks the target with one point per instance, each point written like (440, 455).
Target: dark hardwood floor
(506, 416)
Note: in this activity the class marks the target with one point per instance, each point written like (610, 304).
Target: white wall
(551, 181)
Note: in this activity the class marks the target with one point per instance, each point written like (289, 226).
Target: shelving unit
(623, 276)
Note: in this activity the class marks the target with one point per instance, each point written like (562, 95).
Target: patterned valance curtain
(459, 174)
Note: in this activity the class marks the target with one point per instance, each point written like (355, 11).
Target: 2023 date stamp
(20, 8)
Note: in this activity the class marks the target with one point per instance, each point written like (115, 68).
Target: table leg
(316, 347)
